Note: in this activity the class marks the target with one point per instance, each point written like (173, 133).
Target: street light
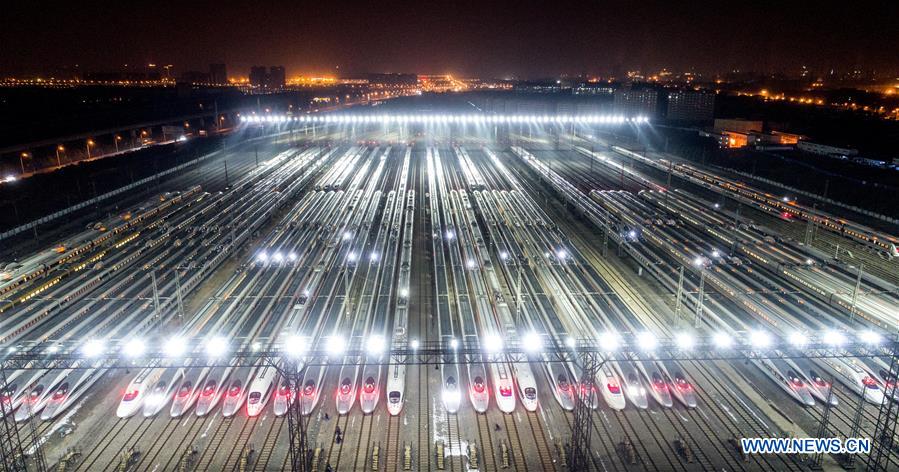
(22, 157)
(116, 141)
(90, 142)
(93, 348)
(59, 148)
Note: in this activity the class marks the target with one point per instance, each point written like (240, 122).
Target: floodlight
(834, 337)
(870, 337)
(336, 345)
(175, 347)
(722, 340)
(759, 339)
(493, 343)
(216, 347)
(609, 341)
(685, 341)
(532, 342)
(646, 341)
(134, 348)
(93, 348)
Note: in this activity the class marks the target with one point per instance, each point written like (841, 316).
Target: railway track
(264, 455)
(543, 450)
(204, 462)
(486, 451)
(518, 459)
(241, 445)
(363, 444)
(392, 453)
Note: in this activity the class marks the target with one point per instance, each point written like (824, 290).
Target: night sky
(489, 39)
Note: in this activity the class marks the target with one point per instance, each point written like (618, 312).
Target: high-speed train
(527, 385)
(162, 390)
(283, 397)
(213, 389)
(564, 389)
(788, 378)
(189, 391)
(679, 384)
(656, 384)
(818, 385)
(478, 391)
(260, 390)
(370, 391)
(311, 391)
(396, 380)
(611, 392)
(137, 391)
(69, 391)
(853, 374)
(346, 391)
(634, 391)
(236, 390)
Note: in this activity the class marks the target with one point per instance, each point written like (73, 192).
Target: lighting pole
(90, 142)
(58, 149)
(22, 157)
(116, 141)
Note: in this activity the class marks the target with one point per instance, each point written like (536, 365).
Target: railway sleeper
(407, 457)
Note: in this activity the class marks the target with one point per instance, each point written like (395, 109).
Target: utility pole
(227, 182)
(858, 284)
(155, 295)
(680, 292)
(180, 299)
(700, 299)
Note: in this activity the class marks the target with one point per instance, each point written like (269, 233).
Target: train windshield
(255, 397)
(129, 396)
(345, 386)
(369, 385)
(614, 388)
(61, 391)
(185, 389)
(309, 388)
(209, 388)
(393, 397)
(505, 391)
(530, 393)
(235, 389)
(870, 383)
(478, 384)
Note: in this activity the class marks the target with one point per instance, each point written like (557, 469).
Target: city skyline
(500, 40)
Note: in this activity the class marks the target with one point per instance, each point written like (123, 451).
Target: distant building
(393, 80)
(276, 77)
(637, 102)
(218, 74)
(258, 76)
(739, 125)
(194, 77)
(589, 88)
(690, 105)
(826, 150)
